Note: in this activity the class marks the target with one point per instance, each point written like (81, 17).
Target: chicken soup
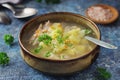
(60, 41)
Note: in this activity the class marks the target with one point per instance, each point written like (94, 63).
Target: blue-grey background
(17, 69)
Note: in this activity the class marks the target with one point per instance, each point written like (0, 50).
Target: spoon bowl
(21, 13)
(26, 12)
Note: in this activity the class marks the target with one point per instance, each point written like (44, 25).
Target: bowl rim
(54, 60)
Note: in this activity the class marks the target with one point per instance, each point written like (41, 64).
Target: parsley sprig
(88, 31)
(37, 50)
(60, 39)
(48, 54)
(102, 74)
(4, 59)
(8, 38)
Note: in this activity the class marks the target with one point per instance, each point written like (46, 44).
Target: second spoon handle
(101, 43)
(4, 18)
(9, 7)
(10, 1)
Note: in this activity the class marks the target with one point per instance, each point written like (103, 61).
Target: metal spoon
(21, 13)
(4, 18)
(100, 43)
(10, 1)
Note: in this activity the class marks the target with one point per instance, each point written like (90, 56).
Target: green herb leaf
(48, 54)
(69, 44)
(88, 31)
(66, 37)
(4, 59)
(37, 50)
(8, 39)
(46, 39)
(39, 0)
(52, 1)
(60, 39)
(59, 31)
(103, 74)
(62, 56)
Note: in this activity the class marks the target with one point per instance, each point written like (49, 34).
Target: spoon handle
(9, 7)
(101, 43)
(4, 18)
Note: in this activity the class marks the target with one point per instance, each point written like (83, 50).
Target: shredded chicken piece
(41, 28)
(46, 26)
(36, 34)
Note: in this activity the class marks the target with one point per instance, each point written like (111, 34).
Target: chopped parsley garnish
(48, 54)
(88, 31)
(53, 45)
(66, 37)
(69, 44)
(60, 39)
(4, 59)
(59, 31)
(62, 56)
(37, 50)
(46, 39)
(103, 74)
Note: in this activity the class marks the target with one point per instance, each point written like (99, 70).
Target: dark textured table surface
(17, 69)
